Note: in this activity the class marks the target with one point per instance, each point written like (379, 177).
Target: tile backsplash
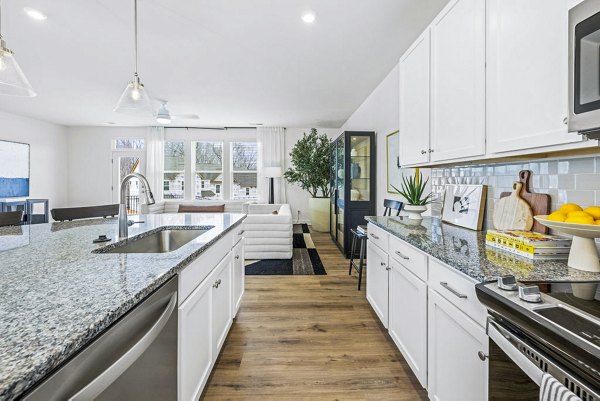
(574, 180)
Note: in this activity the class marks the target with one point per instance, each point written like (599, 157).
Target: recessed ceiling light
(35, 14)
(308, 17)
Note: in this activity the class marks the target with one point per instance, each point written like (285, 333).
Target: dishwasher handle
(106, 378)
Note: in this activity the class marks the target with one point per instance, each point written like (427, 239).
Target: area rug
(305, 259)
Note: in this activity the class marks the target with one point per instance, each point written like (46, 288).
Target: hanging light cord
(135, 35)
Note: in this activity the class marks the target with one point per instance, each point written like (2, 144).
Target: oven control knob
(530, 294)
(508, 283)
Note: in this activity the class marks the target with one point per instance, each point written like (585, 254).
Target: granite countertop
(466, 251)
(56, 295)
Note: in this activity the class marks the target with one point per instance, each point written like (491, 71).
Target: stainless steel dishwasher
(134, 359)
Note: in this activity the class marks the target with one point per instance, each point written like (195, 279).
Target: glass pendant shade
(135, 99)
(12, 80)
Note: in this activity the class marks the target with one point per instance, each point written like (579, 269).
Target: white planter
(318, 213)
(414, 212)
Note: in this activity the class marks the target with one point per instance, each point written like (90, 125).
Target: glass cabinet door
(340, 176)
(360, 168)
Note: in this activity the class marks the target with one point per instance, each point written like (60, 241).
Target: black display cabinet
(353, 179)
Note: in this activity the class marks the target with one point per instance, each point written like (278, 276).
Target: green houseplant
(310, 170)
(413, 189)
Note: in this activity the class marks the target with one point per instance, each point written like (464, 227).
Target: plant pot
(414, 211)
(318, 213)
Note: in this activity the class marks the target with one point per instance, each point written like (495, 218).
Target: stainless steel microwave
(584, 68)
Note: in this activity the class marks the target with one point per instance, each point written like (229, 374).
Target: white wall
(90, 168)
(296, 196)
(48, 155)
(380, 113)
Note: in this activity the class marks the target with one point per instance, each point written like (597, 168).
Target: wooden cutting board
(512, 212)
(539, 203)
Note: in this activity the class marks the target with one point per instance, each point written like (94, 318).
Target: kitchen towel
(553, 390)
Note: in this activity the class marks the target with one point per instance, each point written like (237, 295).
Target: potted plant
(310, 170)
(412, 190)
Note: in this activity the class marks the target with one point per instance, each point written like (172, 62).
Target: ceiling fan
(163, 116)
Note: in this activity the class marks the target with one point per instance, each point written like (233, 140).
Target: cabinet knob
(430, 150)
(217, 283)
(382, 263)
(565, 121)
(388, 268)
(482, 355)
(237, 256)
(423, 152)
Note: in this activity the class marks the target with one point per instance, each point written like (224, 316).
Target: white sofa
(172, 206)
(268, 235)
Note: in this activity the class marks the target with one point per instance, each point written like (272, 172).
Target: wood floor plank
(310, 338)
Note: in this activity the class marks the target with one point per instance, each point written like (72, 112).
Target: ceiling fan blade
(185, 116)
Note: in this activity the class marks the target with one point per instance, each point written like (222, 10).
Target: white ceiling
(232, 62)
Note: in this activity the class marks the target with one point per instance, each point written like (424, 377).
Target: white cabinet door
(414, 103)
(458, 81)
(408, 318)
(377, 281)
(527, 76)
(455, 371)
(195, 346)
(238, 276)
(221, 287)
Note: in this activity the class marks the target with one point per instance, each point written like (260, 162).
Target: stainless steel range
(542, 328)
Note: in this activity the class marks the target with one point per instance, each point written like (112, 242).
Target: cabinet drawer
(410, 257)
(238, 234)
(193, 274)
(378, 237)
(458, 289)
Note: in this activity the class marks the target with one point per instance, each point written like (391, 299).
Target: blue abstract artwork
(14, 169)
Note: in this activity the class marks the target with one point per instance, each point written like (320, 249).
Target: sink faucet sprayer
(123, 223)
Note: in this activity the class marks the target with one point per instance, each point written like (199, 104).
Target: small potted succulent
(412, 190)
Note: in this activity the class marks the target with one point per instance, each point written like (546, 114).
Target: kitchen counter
(466, 251)
(56, 295)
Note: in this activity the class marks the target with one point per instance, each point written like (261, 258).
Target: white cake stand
(583, 254)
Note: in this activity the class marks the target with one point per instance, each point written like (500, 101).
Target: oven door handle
(502, 338)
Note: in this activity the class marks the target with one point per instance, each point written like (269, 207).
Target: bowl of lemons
(584, 226)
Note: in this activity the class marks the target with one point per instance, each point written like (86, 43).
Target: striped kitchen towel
(553, 390)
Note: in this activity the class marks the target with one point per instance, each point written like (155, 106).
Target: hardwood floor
(310, 338)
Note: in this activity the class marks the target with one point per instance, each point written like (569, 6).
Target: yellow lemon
(594, 211)
(580, 218)
(570, 207)
(557, 216)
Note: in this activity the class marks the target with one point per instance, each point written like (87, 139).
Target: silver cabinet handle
(482, 355)
(106, 378)
(382, 263)
(403, 256)
(217, 283)
(430, 150)
(565, 121)
(388, 268)
(374, 236)
(237, 256)
(452, 290)
(241, 232)
(423, 152)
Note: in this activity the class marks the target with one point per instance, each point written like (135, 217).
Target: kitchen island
(57, 295)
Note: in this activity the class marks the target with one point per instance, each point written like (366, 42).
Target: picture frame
(464, 205)
(14, 169)
(392, 158)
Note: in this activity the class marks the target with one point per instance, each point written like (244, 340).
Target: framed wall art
(464, 205)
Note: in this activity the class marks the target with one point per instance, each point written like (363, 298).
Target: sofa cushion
(201, 209)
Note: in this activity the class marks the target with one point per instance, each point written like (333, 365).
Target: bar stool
(360, 234)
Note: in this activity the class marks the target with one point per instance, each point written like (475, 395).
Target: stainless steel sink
(158, 242)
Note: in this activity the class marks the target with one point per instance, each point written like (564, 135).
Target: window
(244, 160)
(208, 170)
(128, 144)
(174, 172)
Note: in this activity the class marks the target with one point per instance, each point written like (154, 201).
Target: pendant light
(134, 99)
(12, 80)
